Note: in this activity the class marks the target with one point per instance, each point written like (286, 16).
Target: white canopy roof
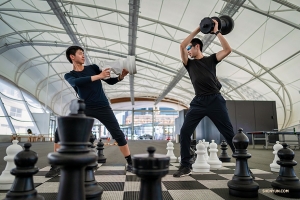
(264, 63)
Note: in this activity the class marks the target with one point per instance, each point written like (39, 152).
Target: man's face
(79, 57)
(192, 50)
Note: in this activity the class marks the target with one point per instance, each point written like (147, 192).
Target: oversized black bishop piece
(150, 168)
(224, 156)
(287, 183)
(73, 154)
(23, 187)
(242, 184)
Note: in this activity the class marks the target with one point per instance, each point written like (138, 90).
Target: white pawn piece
(170, 153)
(206, 144)
(274, 166)
(213, 159)
(6, 179)
(200, 164)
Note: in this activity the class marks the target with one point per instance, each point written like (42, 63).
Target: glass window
(15, 112)
(4, 127)
(33, 105)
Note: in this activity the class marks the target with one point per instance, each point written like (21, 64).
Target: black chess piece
(242, 184)
(23, 187)
(101, 157)
(287, 183)
(93, 191)
(150, 168)
(224, 156)
(193, 152)
(73, 155)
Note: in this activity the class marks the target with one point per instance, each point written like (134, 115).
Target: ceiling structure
(263, 65)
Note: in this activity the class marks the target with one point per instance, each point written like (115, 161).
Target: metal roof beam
(64, 22)
(134, 7)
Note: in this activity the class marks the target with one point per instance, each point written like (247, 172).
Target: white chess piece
(213, 159)
(206, 144)
(274, 166)
(6, 179)
(200, 164)
(170, 153)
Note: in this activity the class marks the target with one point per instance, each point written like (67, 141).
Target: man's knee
(121, 141)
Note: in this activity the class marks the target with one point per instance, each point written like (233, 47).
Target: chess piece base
(225, 159)
(237, 189)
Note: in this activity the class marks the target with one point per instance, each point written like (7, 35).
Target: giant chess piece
(213, 159)
(287, 183)
(92, 140)
(150, 168)
(193, 151)
(206, 144)
(274, 166)
(101, 157)
(6, 179)
(224, 156)
(242, 184)
(92, 190)
(170, 153)
(73, 155)
(23, 187)
(200, 164)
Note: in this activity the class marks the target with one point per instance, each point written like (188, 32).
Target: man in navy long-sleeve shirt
(86, 80)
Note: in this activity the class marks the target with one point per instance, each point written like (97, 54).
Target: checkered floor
(121, 185)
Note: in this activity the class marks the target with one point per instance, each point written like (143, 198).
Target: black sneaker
(183, 171)
(129, 168)
(54, 171)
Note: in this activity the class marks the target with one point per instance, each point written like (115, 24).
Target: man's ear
(72, 57)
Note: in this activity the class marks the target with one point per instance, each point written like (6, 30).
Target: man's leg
(218, 113)
(107, 118)
(192, 119)
(54, 170)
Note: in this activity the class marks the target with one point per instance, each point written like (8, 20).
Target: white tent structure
(264, 63)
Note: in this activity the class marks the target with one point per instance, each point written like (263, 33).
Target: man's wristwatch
(119, 78)
(216, 33)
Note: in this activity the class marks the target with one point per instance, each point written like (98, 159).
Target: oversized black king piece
(242, 184)
(73, 155)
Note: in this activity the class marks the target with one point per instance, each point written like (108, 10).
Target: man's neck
(199, 56)
(78, 67)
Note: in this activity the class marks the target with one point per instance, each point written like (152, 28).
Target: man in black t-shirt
(208, 100)
(87, 82)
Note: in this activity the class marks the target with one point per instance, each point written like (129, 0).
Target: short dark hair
(196, 41)
(71, 51)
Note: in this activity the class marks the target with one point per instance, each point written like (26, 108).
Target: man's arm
(184, 43)
(112, 81)
(77, 81)
(226, 48)
(104, 74)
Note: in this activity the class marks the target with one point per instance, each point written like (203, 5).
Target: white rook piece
(6, 179)
(170, 153)
(213, 159)
(274, 166)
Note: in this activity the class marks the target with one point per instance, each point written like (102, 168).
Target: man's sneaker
(182, 171)
(129, 168)
(54, 171)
